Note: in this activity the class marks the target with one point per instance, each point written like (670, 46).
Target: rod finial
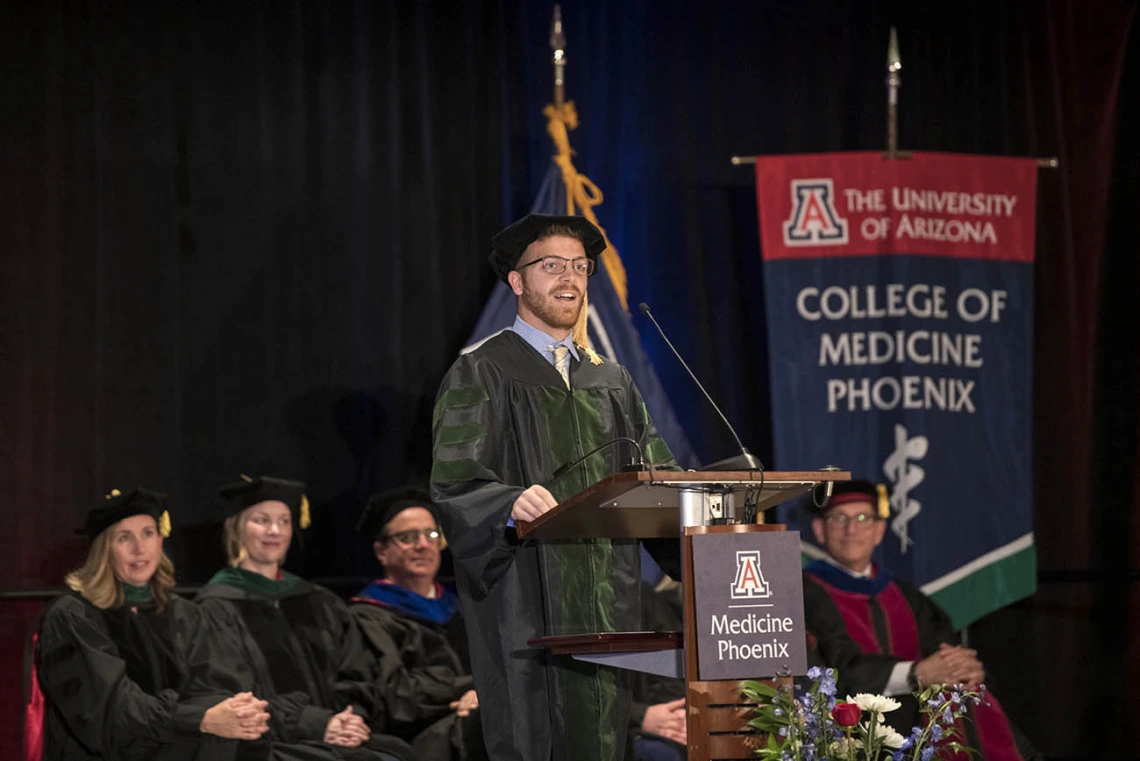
(557, 38)
(894, 61)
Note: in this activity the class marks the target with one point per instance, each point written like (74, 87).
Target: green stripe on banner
(1010, 576)
(991, 587)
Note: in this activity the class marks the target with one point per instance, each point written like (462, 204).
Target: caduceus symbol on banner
(905, 476)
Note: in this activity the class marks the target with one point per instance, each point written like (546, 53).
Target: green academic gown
(504, 419)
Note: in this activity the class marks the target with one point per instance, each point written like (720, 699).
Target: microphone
(639, 465)
(743, 461)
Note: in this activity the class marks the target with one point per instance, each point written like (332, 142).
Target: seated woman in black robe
(116, 654)
(299, 645)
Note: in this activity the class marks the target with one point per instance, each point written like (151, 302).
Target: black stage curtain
(249, 237)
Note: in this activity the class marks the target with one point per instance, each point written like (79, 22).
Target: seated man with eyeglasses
(411, 624)
(884, 635)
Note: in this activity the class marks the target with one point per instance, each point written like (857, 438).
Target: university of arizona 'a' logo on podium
(749, 583)
(814, 221)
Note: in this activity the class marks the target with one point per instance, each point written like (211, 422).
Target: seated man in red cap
(883, 635)
(412, 627)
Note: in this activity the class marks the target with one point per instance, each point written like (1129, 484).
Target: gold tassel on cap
(164, 523)
(306, 519)
(884, 502)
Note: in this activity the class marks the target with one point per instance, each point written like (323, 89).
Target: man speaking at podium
(526, 403)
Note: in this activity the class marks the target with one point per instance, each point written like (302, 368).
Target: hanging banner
(900, 300)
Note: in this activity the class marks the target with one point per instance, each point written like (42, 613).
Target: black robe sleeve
(858, 671)
(84, 676)
(465, 478)
(354, 682)
(228, 659)
(417, 686)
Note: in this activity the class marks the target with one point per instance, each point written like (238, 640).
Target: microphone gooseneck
(745, 460)
(642, 465)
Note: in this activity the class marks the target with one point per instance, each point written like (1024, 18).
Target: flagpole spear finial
(558, 45)
(894, 81)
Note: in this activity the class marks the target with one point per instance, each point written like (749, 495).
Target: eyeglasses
(410, 537)
(840, 521)
(556, 265)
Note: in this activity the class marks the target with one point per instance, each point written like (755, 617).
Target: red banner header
(861, 204)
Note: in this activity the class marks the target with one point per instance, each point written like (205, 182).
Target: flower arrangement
(817, 727)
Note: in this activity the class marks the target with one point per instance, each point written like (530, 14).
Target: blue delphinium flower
(927, 753)
(814, 673)
(947, 717)
(936, 732)
(827, 683)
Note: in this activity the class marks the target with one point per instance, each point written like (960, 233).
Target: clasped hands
(243, 717)
(951, 664)
(347, 729)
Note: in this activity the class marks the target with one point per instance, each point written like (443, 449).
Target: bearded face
(550, 302)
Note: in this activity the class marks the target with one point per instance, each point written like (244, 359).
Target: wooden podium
(684, 504)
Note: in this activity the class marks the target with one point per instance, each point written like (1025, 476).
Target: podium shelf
(609, 642)
(645, 505)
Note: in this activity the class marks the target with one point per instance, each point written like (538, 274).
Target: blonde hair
(96, 580)
(231, 539)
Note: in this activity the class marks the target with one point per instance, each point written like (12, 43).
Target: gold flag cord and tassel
(582, 195)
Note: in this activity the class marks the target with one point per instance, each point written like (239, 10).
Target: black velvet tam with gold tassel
(251, 491)
(119, 505)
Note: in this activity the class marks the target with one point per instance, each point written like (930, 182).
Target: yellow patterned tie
(561, 363)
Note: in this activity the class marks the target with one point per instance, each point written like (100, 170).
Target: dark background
(249, 237)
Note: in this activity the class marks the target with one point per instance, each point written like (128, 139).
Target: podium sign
(749, 605)
(745, 579)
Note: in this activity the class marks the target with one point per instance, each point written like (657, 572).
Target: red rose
(846, 714)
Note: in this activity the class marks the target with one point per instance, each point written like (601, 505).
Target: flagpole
(558, 46)
(894, 81)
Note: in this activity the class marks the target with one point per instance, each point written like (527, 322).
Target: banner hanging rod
(1049, 162)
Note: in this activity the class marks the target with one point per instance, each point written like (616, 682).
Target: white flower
(845, 747)
(889, 736)
(875, 703)
(885, 733)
